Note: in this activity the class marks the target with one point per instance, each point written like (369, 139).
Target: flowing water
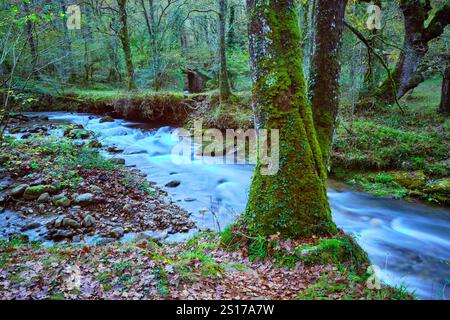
(409, 242)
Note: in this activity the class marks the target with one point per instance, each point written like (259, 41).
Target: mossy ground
(396, 154)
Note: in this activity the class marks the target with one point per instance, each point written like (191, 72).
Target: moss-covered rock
(337, 251)
(34, 192)
(410, 180)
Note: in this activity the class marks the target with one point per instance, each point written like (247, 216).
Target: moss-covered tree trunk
(125, 39)
(325, 69)
(294, 201)
(418, 33)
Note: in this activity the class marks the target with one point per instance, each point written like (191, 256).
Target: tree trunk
(224, 85)
(325, 69)
(444, 107)
(293, 202)
(231, 36)
(407, 74)
(31, 42)
(124, 38)
(375, 69)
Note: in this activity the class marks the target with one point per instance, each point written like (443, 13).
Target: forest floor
(79, 194)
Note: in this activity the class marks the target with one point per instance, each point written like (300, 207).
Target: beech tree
(418, 33)
(293, 202)
(325, 69)
(224, 85)
(125, 39)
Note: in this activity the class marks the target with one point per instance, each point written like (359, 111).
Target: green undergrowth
(387, 152)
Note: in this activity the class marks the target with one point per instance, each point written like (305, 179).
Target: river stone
(67, 222)
(119, 161)
(173, 184)
(59, 235)
(106, 119)
(5, 183)
(18, 191)
(30, 226)
(103, 241)
(149, 236)
(33, 193)
(88, 221)
(84, 199)
(61, 200)
(117, 233)
(44, 198)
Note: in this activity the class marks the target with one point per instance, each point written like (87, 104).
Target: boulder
(70, 223)
(44, 198)
(88, 221)
(106, 119)
(30, 226)
(61, 200)
(117, 233)
(104, 241)
(173, 184)
(59, 235)
(18, 191)
(84, 199)
(410, 180)
(34, 192)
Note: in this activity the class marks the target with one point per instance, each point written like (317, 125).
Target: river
(408, 242)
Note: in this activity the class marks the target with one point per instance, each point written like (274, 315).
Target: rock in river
(173, 184)
(117, 233)
(18, 191)
(118, 161)
(67, 222)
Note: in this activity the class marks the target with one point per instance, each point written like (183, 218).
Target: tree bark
(124, 38)
(293, 202)
(444, 107)
(325, 69)
(407, 74)
(224, 85)
(231, 36)
(31, 42)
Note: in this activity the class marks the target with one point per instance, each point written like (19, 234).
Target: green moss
(293, 202)
(337, 251)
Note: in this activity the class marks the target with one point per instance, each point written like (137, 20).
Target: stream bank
(407, 252)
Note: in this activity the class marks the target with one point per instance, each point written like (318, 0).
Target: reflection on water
(410, 242)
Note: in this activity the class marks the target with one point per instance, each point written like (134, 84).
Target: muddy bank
(170, 108)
